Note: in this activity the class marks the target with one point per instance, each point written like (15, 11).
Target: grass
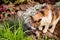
(16, 34)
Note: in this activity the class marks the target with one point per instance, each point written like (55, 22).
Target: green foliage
(14, 1)
(58, 4)
(18, 34)
(19, 1)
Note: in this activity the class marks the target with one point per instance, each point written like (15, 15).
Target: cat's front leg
(54, 25)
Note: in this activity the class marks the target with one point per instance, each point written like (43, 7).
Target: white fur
(44, 4)
(46, 21)
(37, 34)
(54, 25)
